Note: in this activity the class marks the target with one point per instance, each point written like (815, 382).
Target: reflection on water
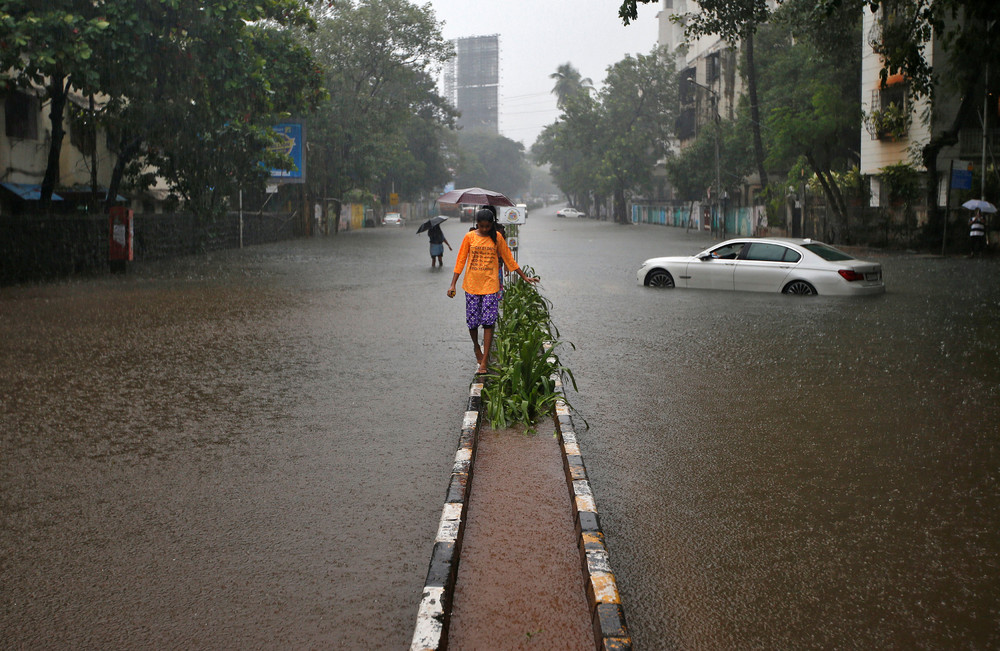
(232, 451)
(216, 452)
(784, 473)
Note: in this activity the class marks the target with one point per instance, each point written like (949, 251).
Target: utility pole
(717, 195)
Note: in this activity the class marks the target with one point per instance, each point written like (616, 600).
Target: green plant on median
(522, 386)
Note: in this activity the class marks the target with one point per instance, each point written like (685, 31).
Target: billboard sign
(291, 142)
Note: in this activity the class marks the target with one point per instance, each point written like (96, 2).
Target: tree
(230, 102)
(377, 56)
(51, 47)
(736, 21)
(812, 81)
(609, 146)
(191, 88)
(426, 159)
(569, 84)
(492, 161)
(570, 147)
(692, 171)
(638, 105)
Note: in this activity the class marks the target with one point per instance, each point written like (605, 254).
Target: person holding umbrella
(977, 224)
(479, 256)
(977, 233)
(437, 238)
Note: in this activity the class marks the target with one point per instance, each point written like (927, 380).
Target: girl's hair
(485, 215)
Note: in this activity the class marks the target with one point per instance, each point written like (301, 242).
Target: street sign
(511, 215)
(961, 175)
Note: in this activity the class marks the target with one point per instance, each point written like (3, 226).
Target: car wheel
(660, 278)
(799, 287)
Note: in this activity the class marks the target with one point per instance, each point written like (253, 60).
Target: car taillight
(850, 275)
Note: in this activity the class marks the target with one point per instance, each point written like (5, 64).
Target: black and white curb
(607, 614)
(431, 631)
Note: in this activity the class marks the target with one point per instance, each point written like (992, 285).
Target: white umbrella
(979, 204)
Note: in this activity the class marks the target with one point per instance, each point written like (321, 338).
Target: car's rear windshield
(827, 252)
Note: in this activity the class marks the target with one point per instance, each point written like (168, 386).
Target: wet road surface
(783, 473)
(251, 449)
(248, 450)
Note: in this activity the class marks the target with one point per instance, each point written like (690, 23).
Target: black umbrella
(431, 223)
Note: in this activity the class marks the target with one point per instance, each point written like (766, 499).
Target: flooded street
(783, 473)
(243, 451)
(251, 450)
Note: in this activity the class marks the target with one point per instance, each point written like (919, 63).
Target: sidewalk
(506, 567)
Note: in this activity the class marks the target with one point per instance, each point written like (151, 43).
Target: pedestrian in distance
(438, 242)
(479, 257)
(977, 233)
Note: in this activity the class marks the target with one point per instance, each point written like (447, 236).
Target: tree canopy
(384, 121)
(609, 145)
(189, 88)
(492, 161)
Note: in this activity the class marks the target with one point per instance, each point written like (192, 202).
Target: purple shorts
(482, 310)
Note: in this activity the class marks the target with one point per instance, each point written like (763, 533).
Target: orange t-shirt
(483, 273)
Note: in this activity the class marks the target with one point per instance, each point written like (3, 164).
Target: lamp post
(718, 188)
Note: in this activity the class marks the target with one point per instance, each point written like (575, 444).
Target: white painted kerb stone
(427, 634)
(451, 516)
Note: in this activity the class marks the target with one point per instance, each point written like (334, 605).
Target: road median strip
(604, 600)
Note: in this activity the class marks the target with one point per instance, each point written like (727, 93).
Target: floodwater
(246, 450)
(786, 472)
(251, 449)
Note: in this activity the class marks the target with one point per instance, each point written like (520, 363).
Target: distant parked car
(569, 212)
(789, 266)
(392, 219)
(468, 214)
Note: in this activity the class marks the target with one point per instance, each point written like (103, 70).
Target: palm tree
(569, 84)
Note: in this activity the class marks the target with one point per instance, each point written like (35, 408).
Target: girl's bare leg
(474, 333)
(487, 342)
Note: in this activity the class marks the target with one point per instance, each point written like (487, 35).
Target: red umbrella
(478, 196)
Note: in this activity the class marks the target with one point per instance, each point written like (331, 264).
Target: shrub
(522, 383)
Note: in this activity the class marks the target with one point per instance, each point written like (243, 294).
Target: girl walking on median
(483, 248)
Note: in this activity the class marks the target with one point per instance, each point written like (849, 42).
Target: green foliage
(893, 121)
(692, 171)
(610, 145)
(570, 85)
(189, 88)
(522, 388)
(492, 161)
(384, 115)
(902, 183)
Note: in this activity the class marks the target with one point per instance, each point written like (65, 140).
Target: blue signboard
(961, 180)
(291, 143)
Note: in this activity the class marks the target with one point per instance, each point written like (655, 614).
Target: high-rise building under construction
(472, 82)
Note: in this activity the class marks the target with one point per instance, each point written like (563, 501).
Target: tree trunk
(58, 89)
(129, 148)
(95, 200)
(620, 216)
(758, 145)
(929, 156)
(834, 197)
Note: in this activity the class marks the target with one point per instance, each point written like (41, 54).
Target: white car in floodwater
(789, 266)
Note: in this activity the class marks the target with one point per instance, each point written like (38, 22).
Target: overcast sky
(536, 36)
